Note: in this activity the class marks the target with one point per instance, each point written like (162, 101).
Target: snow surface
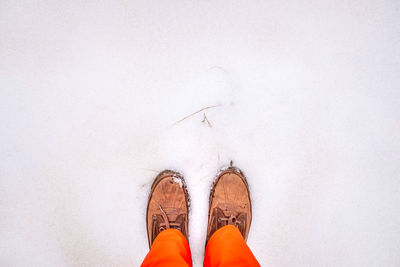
(307, 104)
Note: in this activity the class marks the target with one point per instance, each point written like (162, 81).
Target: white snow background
(308, 106)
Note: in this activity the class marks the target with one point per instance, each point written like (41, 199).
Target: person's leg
(227, 247)
(170, 248)
(229, 219)
(167, 222)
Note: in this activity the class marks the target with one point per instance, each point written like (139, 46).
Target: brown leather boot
(168, 205)
(229, 202)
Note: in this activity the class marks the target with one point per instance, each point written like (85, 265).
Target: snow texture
(304, 97)
(177, 180)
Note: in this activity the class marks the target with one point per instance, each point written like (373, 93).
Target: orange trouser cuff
(170, 248)
(226, 247)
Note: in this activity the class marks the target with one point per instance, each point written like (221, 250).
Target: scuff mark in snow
(194, 113)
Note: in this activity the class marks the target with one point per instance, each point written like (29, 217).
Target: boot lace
(167, 224)
(232, 220)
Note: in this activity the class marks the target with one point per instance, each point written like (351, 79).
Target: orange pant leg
(170, 248)
(226, 247)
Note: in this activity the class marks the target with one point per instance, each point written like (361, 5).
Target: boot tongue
(229, 209)
(172, 213)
